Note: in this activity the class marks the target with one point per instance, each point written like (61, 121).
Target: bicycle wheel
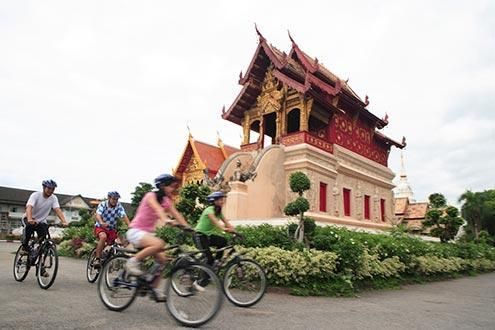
(91, 271)
(116, 289)
(21, 265)
(187, 302)
(46, 270)
(244, 282)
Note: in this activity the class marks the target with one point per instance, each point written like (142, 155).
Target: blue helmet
(165, 179)
(214, 196)
(49, 183)
(113, 194)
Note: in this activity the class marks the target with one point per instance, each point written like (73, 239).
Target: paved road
(72, 303)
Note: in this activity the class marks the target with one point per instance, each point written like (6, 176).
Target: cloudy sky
(98, 94)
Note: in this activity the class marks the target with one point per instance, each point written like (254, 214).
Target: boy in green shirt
(212, 223)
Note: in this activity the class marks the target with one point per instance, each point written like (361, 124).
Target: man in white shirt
(38, 208)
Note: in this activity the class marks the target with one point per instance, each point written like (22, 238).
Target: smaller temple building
(407, 210)
(200, 161)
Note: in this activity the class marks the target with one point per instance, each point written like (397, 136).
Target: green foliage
(299, 182)
(300, 205)
(443, 222)
(294, 267)
(437, 200)
(192, 201)
(266, 235)
(141, 189)
(478, 208)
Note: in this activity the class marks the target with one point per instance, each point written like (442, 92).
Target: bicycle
(243, 279)
(43, 255)
(185, 303)
(108, 252)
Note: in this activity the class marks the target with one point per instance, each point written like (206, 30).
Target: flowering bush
(294, 267)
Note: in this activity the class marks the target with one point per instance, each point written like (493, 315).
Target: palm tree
(472, 209)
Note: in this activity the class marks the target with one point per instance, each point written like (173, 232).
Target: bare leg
(102, 238)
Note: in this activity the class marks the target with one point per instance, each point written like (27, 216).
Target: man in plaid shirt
(107, 214)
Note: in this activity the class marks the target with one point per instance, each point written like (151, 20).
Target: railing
(305, 137)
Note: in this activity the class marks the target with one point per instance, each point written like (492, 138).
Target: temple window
(293, 120)
(255, 127)
(270, 128)
(323, 197)
(382, 209)
(366, 207)
(347, 202)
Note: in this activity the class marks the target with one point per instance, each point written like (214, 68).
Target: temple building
(200, 161)
(407, 210)
(296, 115)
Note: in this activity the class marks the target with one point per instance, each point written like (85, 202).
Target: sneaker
(97, 263)
(133, 267)
(197, 287)
(44, 273)
(159, 295)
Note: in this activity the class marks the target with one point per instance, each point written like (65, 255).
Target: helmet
(49, 183)
(113, 194)
(165, 179)
(214, 196)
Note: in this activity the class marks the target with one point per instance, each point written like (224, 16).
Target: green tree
(444, 221)
(437, 201)
(141, 189)
(299, 183)
(192, 201)
(478, 208)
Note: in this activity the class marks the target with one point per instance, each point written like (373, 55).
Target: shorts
(134, 236)
(111, 234)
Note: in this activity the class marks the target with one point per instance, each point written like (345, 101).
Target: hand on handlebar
(32, 222)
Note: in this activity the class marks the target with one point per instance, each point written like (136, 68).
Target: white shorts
(134, 236)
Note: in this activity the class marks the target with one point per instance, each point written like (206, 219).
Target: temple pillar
(236, 206)
(246, 129)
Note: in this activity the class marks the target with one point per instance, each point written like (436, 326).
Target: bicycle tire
(19, 261)
(108, 284)
(246, 287)
(48, 251)
(182, 307)
(91, 272)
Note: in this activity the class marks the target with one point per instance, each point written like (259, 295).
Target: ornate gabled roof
(300, 72)
(206, 155)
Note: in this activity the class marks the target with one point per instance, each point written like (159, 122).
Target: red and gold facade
(319, 125)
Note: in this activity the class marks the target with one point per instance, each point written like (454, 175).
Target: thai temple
(296, 115)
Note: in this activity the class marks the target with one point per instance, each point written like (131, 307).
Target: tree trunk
(300, 227)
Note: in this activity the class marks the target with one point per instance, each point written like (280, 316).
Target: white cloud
(98, 94)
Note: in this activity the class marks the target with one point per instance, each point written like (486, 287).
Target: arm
(178, 216)
(60, 215)
(29, 215)
(228, 225)
(217, 222)
(101, 221)
(127, 221)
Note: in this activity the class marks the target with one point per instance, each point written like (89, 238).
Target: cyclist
(107, 215)
(38, 207)
(210, 225)
(153, 211)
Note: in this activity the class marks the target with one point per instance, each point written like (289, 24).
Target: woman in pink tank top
(151, 214)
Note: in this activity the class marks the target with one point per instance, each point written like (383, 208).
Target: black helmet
(113, 194)
(165, 179)
(49, 183)
(214, 196)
